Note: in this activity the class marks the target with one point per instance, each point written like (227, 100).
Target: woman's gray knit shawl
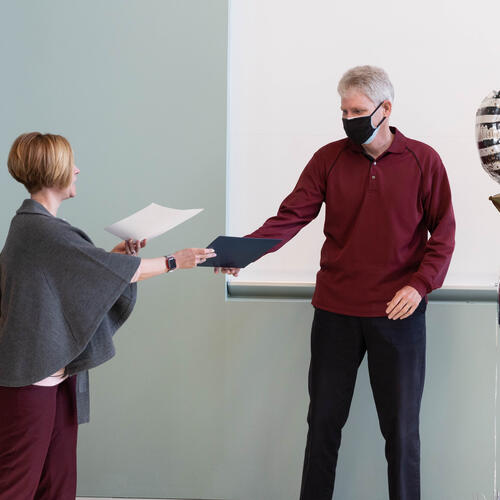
(61, 301)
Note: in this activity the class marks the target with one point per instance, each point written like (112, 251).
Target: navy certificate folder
(238, 252)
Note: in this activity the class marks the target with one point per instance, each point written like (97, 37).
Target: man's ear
(387, 107)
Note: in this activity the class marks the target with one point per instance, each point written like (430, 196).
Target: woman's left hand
(129, 247)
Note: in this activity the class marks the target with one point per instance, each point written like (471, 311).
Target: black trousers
(396, 365)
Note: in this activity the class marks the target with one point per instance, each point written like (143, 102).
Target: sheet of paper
(150, 222)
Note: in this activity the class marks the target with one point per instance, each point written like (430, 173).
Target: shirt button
(374, 162)
(373, 177)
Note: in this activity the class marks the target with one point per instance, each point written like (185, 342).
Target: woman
(61, 301)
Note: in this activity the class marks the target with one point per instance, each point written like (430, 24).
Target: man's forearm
(437, 257)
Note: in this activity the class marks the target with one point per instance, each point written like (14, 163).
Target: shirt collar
(398, 144)
(30, 206)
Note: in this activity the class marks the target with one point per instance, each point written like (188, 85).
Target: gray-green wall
(206, 398)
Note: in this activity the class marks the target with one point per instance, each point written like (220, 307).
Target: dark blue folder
(238, 252)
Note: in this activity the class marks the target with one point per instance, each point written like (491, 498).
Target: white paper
(150, 222)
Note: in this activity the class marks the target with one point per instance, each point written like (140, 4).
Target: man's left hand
(404, 303)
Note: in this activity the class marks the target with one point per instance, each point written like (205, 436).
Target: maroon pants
(38, 432)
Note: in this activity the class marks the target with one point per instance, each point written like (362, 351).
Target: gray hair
(369, 80)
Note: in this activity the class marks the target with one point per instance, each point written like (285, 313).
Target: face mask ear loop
(381, 121)
(374, 111)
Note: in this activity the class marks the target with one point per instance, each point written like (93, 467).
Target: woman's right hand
(191, 257)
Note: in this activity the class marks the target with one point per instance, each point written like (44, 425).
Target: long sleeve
(440, 222)
(300, 207)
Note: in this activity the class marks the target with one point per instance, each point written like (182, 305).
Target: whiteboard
(285, 60)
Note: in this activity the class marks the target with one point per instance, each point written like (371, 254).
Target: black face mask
(360, 130)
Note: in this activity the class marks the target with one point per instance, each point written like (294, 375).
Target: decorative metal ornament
(488, 138)
(496, 201)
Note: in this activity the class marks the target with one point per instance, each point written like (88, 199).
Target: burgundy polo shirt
(379, 214)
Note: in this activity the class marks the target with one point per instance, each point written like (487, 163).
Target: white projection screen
(285, 59)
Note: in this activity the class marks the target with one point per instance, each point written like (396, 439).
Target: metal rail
(304, 291)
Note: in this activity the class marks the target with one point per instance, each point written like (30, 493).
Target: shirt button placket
(373, 185)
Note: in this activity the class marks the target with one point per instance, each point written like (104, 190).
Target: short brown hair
(41, 160)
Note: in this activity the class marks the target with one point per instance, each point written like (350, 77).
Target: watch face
(172, 264)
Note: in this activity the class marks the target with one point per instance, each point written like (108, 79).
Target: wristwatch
(171, 263)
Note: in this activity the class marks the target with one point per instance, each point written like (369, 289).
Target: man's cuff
(420, 285)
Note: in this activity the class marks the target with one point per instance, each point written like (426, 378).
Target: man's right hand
(233, 271)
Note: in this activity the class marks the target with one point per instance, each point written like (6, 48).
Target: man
(383, 193)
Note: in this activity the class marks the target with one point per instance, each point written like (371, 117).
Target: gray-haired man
(383, 193)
